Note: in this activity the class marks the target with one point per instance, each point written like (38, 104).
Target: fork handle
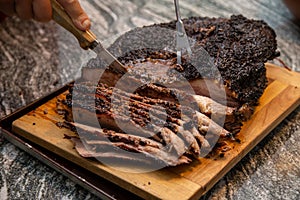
(86, 39)
(177, 11)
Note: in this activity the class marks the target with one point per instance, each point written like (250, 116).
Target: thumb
(77, 14)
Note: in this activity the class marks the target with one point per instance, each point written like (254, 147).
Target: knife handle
(86, 39)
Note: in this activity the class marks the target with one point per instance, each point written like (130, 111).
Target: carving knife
(86, 39)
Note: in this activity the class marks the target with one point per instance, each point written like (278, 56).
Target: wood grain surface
(183, 182)
(36, 58)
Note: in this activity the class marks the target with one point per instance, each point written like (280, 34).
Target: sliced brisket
(165, 111)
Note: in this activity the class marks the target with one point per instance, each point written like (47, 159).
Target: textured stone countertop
(36, 58)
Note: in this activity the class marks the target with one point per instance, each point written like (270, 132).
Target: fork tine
(179, 57)
(182, 42)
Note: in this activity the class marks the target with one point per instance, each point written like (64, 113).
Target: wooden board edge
(291, 106)
(283, 75)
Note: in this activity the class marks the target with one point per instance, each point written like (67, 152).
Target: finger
(42, 10)
(24, 9)
(75, 11)
(8, 7)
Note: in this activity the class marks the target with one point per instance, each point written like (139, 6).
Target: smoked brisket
(238, 46)
(160, 118)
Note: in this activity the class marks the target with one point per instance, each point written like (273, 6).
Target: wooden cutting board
(191, 181)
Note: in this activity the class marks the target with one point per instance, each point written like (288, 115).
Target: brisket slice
(102, 143)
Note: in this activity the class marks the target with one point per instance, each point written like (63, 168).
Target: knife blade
(86, 39)
(107, 57)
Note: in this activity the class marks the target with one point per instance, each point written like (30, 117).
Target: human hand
(41, 10)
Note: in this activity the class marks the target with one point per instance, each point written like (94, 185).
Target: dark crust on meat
(239, 47)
